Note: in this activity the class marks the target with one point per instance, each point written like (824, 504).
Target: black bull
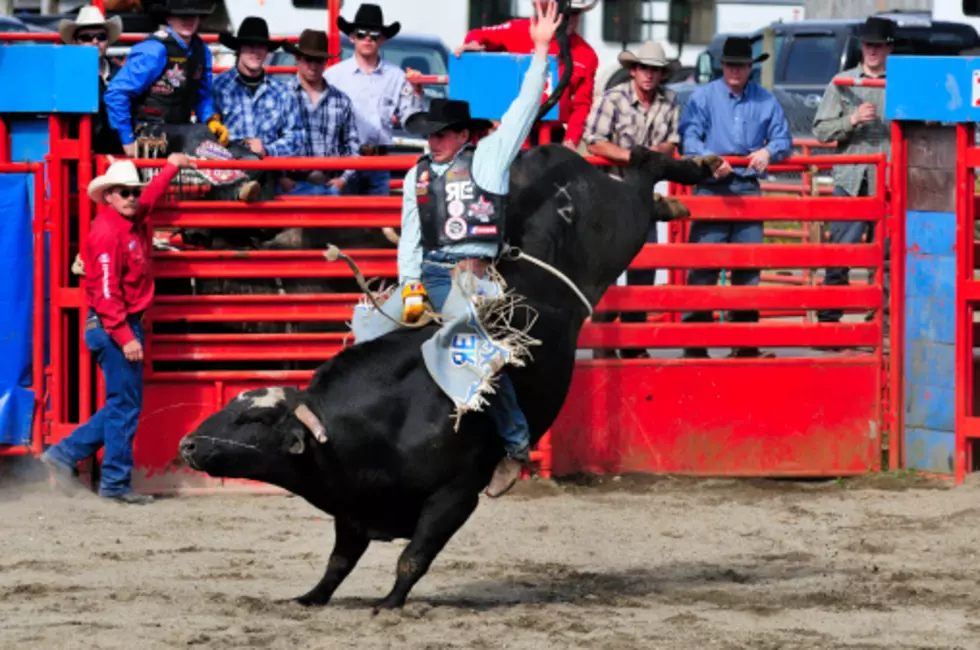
(392, 466)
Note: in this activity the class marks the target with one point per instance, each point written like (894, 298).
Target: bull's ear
(299, 441)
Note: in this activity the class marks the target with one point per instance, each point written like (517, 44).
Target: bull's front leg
(441, 517)
(348, 547)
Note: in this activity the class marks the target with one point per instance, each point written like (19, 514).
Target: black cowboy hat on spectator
(252, 31)
(444, 114)
(164, 8)
(737, 50)
(370, 18)
(312, 44)
(877, 31)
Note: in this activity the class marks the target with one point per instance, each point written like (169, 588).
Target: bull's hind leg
(442, 516)
(348, 547)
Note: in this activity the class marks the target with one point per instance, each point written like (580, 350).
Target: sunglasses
(126, 192)
(375, 34)
(91, 36)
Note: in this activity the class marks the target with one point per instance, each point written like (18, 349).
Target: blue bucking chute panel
(16, 303)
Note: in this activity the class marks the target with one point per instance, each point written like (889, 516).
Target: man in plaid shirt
(640, 112)
(853, 116)
(260, 112)
(329, 127)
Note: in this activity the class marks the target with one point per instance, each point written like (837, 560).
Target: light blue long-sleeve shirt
(491, 171)
(377, 97)
(716, 121)
(144, 65)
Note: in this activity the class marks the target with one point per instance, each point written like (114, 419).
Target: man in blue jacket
(453, 215)
(165, 79)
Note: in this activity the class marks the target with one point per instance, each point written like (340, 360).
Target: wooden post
(769, 65)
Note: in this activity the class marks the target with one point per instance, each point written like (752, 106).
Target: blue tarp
(16, 309)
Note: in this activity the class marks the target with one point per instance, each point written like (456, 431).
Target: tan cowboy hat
(650, 53)
(122, 172)
(89, 16)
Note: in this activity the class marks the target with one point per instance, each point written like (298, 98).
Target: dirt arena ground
(885, 562)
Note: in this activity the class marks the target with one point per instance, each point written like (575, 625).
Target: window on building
(691, 21)
(971, 7)
(812, 59)
(490, 12)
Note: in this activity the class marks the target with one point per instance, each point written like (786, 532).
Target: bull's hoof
(386, 604)
(712, 161)
(674, 207)
(312, 599)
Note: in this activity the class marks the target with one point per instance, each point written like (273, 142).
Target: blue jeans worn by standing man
(504, 409)
(114, 425)
(719, 232)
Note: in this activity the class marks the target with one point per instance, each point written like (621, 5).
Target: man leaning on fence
(853, 116)
(639, 111)
(733, 116)
(329, 129)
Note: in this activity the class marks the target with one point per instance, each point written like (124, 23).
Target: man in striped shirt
(853, 116)
(636, 112)
(329, 127)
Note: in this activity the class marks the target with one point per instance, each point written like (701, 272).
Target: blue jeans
(850, 232)
(719, 232)
(370, 183)
(306, 188)
(114, 425)
(504, 409)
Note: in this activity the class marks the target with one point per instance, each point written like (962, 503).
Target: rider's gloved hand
(218, 129)
(413, 299)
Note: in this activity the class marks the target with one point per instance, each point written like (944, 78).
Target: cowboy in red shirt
(118, 289)
(512, 36)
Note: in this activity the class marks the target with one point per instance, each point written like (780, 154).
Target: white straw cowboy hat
(650, 54)
(89, 16)
(122, 173)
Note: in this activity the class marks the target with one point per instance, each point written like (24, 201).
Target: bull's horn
(312, 422)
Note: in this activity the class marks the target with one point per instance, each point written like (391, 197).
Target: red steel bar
(4, 141)
(85, 215)
(696, 298)
(756, 256)
(896, 356)
(853, 81)
(333, 31)
(720, 335)
(965, 423)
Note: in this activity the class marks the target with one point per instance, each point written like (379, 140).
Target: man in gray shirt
(378, 90)
(854, 116)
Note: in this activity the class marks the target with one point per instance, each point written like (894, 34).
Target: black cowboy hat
(877, 31)
(252, 31)
(444, 114)
(164, 8)
(371, 18)
(312, 44)
(737, 50)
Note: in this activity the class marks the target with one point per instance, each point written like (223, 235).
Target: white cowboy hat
(89, 16)
(582, 5)
(122, 172)
(650, 53)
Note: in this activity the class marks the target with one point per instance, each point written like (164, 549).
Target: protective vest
(174, 94)
(453, 209)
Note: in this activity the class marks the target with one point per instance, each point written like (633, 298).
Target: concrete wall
(858, 8)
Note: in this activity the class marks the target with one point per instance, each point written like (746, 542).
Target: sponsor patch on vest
(482, 209)
(483, 230)
(455, 228)
(456, 209)
(175, 76)
(457, 174)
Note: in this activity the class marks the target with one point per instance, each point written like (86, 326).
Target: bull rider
(166, 77)
(118, 291)
(450, 225)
